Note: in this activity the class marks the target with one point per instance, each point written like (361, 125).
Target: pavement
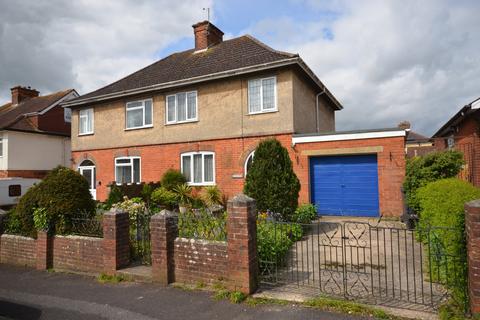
(31, 294)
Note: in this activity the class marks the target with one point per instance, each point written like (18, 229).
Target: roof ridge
(257, 41)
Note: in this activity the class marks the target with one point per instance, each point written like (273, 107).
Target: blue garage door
(345, 185)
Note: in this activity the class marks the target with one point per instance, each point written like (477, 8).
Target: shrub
(429, 168)
(183, 194)
(41, 219)
(305, 213)
(211, 196)
(202, 225)
(274, 240)
(271, 180)
(172, 178)
(134, 207)
(64, 194)
(442, 206)
(163, 197)
(114, 196)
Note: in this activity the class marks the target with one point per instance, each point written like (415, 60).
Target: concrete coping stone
(16, 236)
(72, 236)
(473, 203)
(200, 241)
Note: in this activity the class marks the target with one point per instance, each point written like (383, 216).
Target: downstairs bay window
(127, 170)
(198, 168)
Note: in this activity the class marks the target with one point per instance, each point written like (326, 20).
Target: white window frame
(129, 165)
(142, 107)
(203, 153)
(1, 147)
(80, 116)
(176, 110)
(250, 155)
(262, 110)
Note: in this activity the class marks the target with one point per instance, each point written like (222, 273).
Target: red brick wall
(467, 142)
(78, 253)
(230, 155)
(37, 174)
(17, 250)
(199, 260)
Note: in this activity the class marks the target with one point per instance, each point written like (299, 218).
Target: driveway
(359, 258)
(31, 294)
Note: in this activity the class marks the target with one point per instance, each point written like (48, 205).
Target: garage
(345, 185)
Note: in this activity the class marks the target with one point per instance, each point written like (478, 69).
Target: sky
(385, 61)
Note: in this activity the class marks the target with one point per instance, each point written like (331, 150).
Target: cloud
(388, 61)
(55, 44)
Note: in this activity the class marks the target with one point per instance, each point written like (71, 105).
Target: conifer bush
(271, 180)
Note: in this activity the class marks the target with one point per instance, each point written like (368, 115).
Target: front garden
(436, 197)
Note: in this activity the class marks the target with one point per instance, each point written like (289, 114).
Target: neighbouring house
(416, 144)
(461, 132)
(204, 111)
(35, 133)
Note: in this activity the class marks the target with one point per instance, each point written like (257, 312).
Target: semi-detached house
(204, 111)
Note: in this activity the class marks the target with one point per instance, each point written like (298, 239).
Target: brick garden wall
(17, 250)
(200, 260)
(71, 253)
(78, 253)
(235, 261)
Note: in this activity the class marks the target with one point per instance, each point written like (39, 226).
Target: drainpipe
(316, 109)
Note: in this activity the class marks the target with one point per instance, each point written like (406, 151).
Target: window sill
(261, 112)
(86, 134)
(139, 128)
(180, 122)
(201, 184)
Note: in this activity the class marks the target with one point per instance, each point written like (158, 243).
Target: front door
(88, 172)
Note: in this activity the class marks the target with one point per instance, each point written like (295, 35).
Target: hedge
(442, 229)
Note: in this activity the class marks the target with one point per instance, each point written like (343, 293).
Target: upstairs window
(1, 147)
(199, 168)
(127, 170)
(139, 114)
(262, 95)
(85, 121)
(182, 107)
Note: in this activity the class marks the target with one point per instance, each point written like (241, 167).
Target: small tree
(271, 180)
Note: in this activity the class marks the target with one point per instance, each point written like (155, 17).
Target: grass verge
(105, 278)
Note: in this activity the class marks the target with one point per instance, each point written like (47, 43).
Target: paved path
(31, 294)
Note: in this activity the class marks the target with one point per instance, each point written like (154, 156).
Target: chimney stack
(206, 35)
(20, 94)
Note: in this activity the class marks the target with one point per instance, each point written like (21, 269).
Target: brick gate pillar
(163, 231)
(44, 250)
(3, 217)
(116, 240)
(242, 269)
(472, 227)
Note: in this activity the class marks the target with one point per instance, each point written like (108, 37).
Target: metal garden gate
(140, 248)
(383, 264)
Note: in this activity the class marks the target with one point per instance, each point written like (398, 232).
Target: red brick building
(203, 111)
(35, 133)
(461, 132)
